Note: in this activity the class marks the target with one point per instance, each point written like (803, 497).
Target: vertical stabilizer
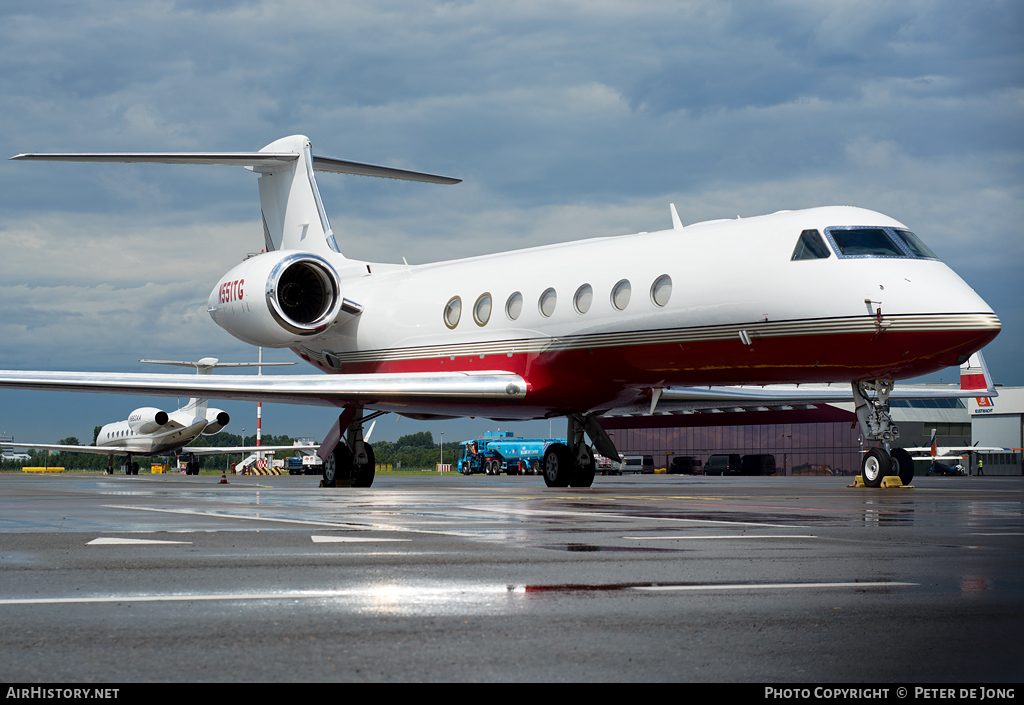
(293, 213)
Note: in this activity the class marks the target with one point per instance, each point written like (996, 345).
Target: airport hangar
(825, 439)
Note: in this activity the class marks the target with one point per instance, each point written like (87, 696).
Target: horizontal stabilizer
(255, 159)
(258, 160)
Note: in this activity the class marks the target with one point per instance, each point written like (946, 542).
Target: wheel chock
(893, 481)
(858, 482)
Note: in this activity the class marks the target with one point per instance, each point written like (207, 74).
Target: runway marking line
(130, 542)
(371, 592)
(609, 515)
(352, 539)
(701, 538)
(769, 586)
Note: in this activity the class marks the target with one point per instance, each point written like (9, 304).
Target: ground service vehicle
(638, 463)
(501, 451)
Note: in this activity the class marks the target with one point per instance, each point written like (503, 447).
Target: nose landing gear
(876, 425)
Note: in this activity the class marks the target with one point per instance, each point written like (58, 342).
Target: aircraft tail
(293, 213)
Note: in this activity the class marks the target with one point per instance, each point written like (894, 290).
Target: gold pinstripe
(762, 329)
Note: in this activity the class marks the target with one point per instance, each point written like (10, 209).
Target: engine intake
(280, 299)
(304, 294)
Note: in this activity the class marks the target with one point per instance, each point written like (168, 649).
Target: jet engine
(148, 419)
(217, 421)
(280, 299)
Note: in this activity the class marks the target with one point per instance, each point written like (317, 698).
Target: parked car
(758, 465)
(724, 464)
(683, 465)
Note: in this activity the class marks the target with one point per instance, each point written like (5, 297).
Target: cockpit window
(864, 242)
(810, 246)
(915, 244)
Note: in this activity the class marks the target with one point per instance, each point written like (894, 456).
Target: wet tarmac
(768, 580)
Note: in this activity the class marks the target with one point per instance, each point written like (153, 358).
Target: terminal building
(825, 439)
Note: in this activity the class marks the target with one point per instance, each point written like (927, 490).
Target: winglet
(676, 223)
(974, 375)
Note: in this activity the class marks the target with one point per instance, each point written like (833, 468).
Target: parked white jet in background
(149, 431)
(824, 295)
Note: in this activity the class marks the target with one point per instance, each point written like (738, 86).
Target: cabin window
(915, 244)
(482, 310)
(514, 306)
(864, 242)
(453, 312)
(583, 298)
(661, 290)
(620, 295)
(810, 246)
(546, 303)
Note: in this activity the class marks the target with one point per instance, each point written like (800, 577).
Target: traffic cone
(223, 478)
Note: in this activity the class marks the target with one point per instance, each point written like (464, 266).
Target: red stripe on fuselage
(589, 378)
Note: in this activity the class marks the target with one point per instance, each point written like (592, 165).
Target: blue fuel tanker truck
(500, 451)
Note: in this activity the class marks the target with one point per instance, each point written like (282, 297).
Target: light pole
(441, 468)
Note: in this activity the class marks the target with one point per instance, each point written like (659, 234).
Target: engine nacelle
(148, 419)
(280, 299)
(217, 420)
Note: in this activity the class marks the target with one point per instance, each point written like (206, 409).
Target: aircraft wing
(946, 450)
(315, 390)
(975, 381)
(235, 450)
(95, 450)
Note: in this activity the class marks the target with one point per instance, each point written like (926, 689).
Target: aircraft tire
(875, 466)
(559, 465)
(902, 465)
(584, 476)
(362, 475)
(337, 466)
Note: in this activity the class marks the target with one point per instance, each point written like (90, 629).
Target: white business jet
(824, 295)
(149, 431)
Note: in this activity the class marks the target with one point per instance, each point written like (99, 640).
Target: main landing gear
(572, 464)
(351, 463)
(130, 468)
(876, 425)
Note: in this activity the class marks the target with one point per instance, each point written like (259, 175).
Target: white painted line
(701, 538)
(1002, 533)
(171, 598)
(630, 517)
(347, 525)
(350, 539)
(219, 515)
(130, 542)
(770, 586)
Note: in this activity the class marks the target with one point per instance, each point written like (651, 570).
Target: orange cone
(223, 479)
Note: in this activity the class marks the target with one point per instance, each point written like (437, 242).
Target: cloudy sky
(566, 120)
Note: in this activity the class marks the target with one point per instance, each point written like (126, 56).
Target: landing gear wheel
(902, 465)
(584, 475)
(876, 465)
(559, 465)
(362, 475)
(337, 466)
